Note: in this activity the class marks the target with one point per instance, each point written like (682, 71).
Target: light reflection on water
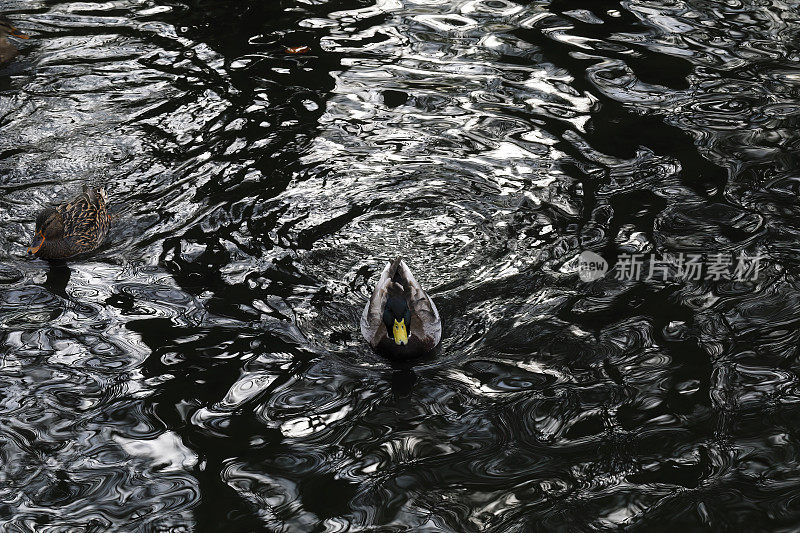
(204, 369)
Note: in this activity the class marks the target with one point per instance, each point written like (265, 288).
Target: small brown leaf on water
(298, 49)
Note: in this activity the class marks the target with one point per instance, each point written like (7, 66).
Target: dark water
(204, 370)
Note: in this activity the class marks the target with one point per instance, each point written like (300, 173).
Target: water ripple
(203, 370)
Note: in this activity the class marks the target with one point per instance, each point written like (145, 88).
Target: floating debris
(298, 49)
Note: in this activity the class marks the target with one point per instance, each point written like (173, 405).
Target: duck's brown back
(7, 51)
(86, 221)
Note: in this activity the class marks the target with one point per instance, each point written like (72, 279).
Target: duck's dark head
(397, 314)
(49, 225)
(6, 28)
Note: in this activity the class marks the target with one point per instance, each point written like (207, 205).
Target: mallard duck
(400, 321)
(7, 50)
(72, 228)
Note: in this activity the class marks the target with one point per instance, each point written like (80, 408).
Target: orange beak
(18, 34)
(34, 248)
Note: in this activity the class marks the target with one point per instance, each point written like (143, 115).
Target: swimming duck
(7, 50)
(400, 321)
(72, 228)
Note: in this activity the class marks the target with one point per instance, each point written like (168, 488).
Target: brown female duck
(7, 50)
(72, 228)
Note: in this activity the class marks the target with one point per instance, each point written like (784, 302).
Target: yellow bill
(18, 34)
(38, 238)
(399, 332)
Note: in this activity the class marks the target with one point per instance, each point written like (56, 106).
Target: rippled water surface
(203, 371)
